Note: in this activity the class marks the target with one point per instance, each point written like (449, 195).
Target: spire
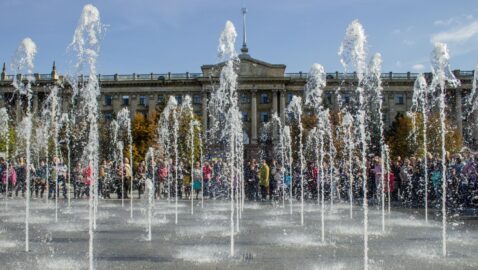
(244, 48)
(54, 75)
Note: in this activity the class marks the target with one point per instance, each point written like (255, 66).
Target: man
(264, 179)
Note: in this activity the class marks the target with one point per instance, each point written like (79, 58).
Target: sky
(178, 36)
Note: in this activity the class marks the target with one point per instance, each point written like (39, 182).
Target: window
(245, 117)
(143, 100)
(245, 99)
(108, 100)
(179, 99)
(125, 100)
(264, 117)
(160, 99)
(197, 99)
(289, 97)
(264, 98)
(345, 98)
(399, 99)
(108, 116)
(328, 97)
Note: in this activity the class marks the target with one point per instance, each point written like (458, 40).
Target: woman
(140, 178)
(197, 179)
(40, 183)
(12, 178)
(207, 175)
(87, 179)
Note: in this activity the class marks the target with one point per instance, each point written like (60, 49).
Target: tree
(144, 133)
(401, 142)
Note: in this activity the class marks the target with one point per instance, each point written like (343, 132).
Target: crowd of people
(403, 182)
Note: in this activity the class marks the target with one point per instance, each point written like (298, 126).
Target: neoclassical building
(264, 89)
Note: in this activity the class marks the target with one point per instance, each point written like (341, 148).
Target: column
(458, 111)
(274, 101)
(35, 102)
(204, 110)
(151, 105)
(116, 104)
(282, 94)
(133, 105)
(253, 117)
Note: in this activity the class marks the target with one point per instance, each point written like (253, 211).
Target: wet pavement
(269, 237)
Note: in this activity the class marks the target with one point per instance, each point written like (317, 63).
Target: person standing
(21, 172)
(207, 175)
(197, 179)
(264, 179)
(12, 178)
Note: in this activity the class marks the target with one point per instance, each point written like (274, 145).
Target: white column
(274, 101)
(282, 105)
(152, 105)
(253, 117)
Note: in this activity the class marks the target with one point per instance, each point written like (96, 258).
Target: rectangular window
(245, 117)
(245, 99)
(264, 117)
(160, 99)
(399, 99)
(108, 116)
(125, 100)
(179, 99)
(196, 99)
(108, 100)
(264, 98)
(143, 100)
(345, 98)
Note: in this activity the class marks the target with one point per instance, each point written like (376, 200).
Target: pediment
(249, 67)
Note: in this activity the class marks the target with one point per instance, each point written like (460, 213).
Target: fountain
(86, 46)
(420, 105)
(124, 122)
(65, 123)
(374, 83)
(23, 62)
(265, 228)
(348, 140)
(352, 53)
(150, 187)
(288, 146)
(441, 76)
(52, 111)
(164, 133)
(226, 118)
(295, 109)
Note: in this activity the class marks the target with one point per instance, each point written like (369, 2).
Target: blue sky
(158, 36)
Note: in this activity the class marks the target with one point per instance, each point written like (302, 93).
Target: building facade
(264, 89)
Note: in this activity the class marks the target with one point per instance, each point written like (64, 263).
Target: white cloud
(418, 67)
(453, 20)
(444, 22)
(457, 35)
(398, 63)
